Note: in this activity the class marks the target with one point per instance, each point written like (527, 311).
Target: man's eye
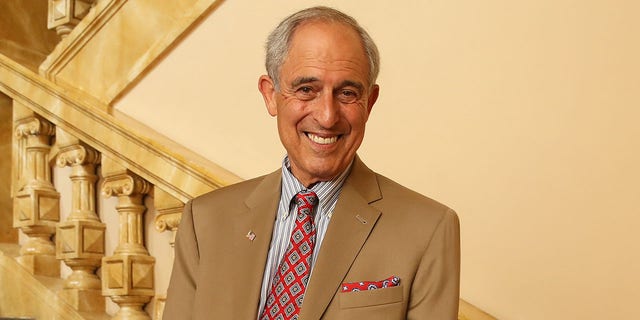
(305, 93)
(348, 96)
(305, 89)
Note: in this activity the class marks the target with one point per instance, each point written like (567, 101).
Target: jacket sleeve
(182, 285)
(436, 288)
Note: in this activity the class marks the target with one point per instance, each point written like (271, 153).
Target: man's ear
(373, 97)
(268, 90)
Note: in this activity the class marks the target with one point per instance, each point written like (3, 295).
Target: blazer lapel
(252, 254)
(352, 221)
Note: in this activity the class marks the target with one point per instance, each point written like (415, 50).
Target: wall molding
(123, 44)
(69, 47)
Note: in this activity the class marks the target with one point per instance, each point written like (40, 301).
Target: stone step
(25, 296)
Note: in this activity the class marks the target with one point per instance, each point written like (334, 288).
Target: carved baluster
(167, 219)
(80, 240)
(37, 203)
(64, 15)
(127, 276)
(169, 213)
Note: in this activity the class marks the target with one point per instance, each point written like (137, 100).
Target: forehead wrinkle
(309, 65)
(328, 60)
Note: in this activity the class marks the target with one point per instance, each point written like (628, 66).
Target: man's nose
(327, 110)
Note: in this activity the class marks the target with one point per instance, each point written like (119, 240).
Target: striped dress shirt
(328, 193)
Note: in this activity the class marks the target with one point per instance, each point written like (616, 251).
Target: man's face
(324, 100)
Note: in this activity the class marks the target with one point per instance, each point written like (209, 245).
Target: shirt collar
(327, 191)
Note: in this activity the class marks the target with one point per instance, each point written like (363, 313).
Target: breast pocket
(376, 297)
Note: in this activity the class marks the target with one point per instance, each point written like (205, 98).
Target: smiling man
(322, 99)
(323, 237)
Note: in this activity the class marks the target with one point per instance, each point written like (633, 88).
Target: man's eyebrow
(349, 83)
(300, 80)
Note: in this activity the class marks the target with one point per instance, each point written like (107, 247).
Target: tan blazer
(378, 229)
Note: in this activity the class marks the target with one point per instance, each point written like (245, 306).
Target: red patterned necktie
(290, 282)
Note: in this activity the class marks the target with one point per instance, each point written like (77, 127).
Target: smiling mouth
(321, 140)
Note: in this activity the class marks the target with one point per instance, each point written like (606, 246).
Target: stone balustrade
(127, 274)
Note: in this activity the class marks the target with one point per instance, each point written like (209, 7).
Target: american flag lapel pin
(250, 235)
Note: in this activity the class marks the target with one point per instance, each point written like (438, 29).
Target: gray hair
(280, 38)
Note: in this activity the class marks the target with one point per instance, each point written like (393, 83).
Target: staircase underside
(26, 296)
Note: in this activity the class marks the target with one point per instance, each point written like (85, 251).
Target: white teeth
(321, 140)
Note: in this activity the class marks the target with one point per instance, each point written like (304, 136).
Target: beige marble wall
(7, 232)
(23, 31)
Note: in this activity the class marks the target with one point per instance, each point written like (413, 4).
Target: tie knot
(306, 199)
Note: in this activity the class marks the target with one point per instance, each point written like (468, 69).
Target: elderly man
(324, 237)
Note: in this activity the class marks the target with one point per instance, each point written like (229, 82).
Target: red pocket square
(370, 285)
